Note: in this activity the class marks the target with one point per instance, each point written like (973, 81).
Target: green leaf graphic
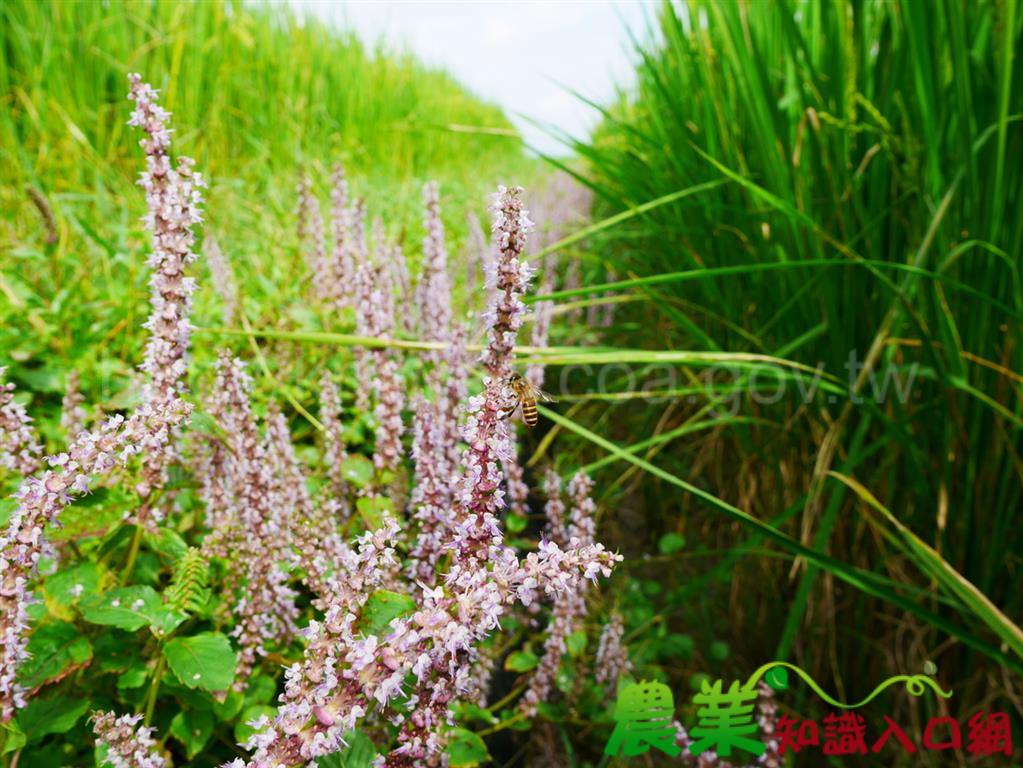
(778, 678)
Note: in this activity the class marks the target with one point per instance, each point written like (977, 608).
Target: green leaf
(243, 731)
(55, 714)
(467, 710)
(357, 470)
(11, 737)
(576, 643)
(372, 510)
(167, 543)
(56, 650)
(115, 651)
(719, 650)
(134, 677)
(466, 749)
(358, 754)
(515, 523)
(205, 425)
(670, 543)
(381, 608)
(93, 514)
(193, 729)
(676, 646)
(7, 506)
(930, 668)
(261, 690)
(132, 608)
(521, 661)
(777, 678)
(229, 707)
(71, 585)
(204, 661)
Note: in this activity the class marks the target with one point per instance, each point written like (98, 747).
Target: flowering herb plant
(263, 601)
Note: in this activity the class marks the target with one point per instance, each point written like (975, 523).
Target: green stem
(501, 726)
(154, 687)
(133, 553)
(511, 695)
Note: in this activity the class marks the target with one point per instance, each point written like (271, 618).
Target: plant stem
(501, 726)
(511, 695)
(133, 553)
(153, 688)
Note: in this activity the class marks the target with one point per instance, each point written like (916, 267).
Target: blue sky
(522, 55)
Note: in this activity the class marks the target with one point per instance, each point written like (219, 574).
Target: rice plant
(830, 184)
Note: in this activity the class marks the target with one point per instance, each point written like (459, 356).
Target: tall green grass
(256, 94)
(852, 164)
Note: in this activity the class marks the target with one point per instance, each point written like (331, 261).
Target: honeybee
(526, 395)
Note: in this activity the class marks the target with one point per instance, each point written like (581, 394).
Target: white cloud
(521, 55)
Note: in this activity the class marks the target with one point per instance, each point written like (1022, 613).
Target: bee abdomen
(529, 414)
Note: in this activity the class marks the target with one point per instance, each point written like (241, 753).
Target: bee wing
(543, 396)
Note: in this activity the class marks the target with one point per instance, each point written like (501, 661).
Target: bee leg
(510, 408)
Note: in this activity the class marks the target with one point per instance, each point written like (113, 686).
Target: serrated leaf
(381, 608)
(521, 661)
(193, 729)
(55, 650)
(129, 608)
(204, 661)
(670, 543)
(575, 643)
(465, 749)
(54, 714)
(70, 586)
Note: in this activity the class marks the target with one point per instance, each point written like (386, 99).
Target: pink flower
(173, 198)
(72, 412)
(431, 497)
(612, 660)
(223, 279)
(19, 444)
(127, 745)
(343, 256)
(555, 509)
(255, 534)
(43, 497)
(434, 289)
(508, 276)
(334, 453)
